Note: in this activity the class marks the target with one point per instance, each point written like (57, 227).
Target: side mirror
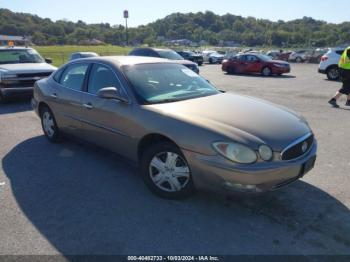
(111, 93)
(48, 60)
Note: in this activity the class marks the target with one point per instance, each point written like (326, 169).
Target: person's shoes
(333, 102)
(347, 103)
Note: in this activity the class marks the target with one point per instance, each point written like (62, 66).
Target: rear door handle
(88, 106)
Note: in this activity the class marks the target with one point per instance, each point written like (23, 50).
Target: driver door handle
(88, 106)
(54, 96)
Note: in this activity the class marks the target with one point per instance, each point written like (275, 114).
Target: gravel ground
(76, 199)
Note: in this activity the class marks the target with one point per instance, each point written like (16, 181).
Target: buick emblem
(304, 147)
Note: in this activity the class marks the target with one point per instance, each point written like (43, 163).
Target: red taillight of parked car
(324, 58)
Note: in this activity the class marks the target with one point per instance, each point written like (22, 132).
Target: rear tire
(211, 61)
(165, 171)
(333, 73)
(49, 125)
(266, 71)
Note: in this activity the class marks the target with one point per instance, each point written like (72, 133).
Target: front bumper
(8, 92)
(281, 70)
(321, 71)
(215, 173)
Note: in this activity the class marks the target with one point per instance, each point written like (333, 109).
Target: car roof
(154, 49)
(120, 61)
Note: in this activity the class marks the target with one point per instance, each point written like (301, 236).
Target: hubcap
(266, 71)
(169, 171)
(48, 124)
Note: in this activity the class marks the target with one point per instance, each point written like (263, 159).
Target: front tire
(166, 172)
(49, 125)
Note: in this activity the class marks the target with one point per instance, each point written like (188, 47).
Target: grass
(61, 54)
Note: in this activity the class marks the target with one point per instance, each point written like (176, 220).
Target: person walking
(344, 67)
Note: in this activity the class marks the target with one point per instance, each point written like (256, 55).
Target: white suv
(329, 63)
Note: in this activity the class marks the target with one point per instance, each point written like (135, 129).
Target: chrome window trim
(299, 140)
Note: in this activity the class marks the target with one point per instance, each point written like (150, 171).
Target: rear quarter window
(340, 52)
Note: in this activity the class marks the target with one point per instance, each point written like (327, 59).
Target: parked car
(284, 56)
(165, 53)
(79, 55)
(298, 56)
(316, 55)
(192, 56)
(183, 132)
(20, 67)
(212, 57)
(274, 54)
(216, 58)
(329, 63)
(255, 64)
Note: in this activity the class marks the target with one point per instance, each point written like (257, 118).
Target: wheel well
(41, 106)
(150, 139)
(330, 67)
(266, 67)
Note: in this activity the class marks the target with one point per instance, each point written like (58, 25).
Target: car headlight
(236, 152)
(265, 153)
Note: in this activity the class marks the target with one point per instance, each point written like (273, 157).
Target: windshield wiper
(169, 100)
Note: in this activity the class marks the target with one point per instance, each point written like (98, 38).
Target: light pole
(126, 16)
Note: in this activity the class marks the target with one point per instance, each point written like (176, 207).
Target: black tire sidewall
(145, 160)
(56, 137)
(328, 73)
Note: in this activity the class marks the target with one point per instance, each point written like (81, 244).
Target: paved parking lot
(73, 198)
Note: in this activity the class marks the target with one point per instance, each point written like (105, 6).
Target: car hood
(243, 119)
(279, 62)
(27, 68)
(184, 62)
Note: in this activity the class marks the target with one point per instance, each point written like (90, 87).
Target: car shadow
(15, 106)
(86, 201)
(260, 76)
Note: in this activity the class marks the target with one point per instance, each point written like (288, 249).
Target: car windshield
(15, 56)
(264, 57)
(165, 83)
(169, 54)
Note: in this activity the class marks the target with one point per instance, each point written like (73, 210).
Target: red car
(255, 64)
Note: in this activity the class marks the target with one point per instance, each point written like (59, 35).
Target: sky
(143, 12)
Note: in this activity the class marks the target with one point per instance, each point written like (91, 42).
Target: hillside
(206, 26)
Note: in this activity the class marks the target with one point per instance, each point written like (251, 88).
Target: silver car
(20, 67)
(183, 132)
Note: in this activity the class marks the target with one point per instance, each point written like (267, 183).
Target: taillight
(324, 58)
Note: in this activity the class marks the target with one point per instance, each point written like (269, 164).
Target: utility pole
(126, 16)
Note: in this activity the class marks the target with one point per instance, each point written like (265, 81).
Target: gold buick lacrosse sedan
(183, 132)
